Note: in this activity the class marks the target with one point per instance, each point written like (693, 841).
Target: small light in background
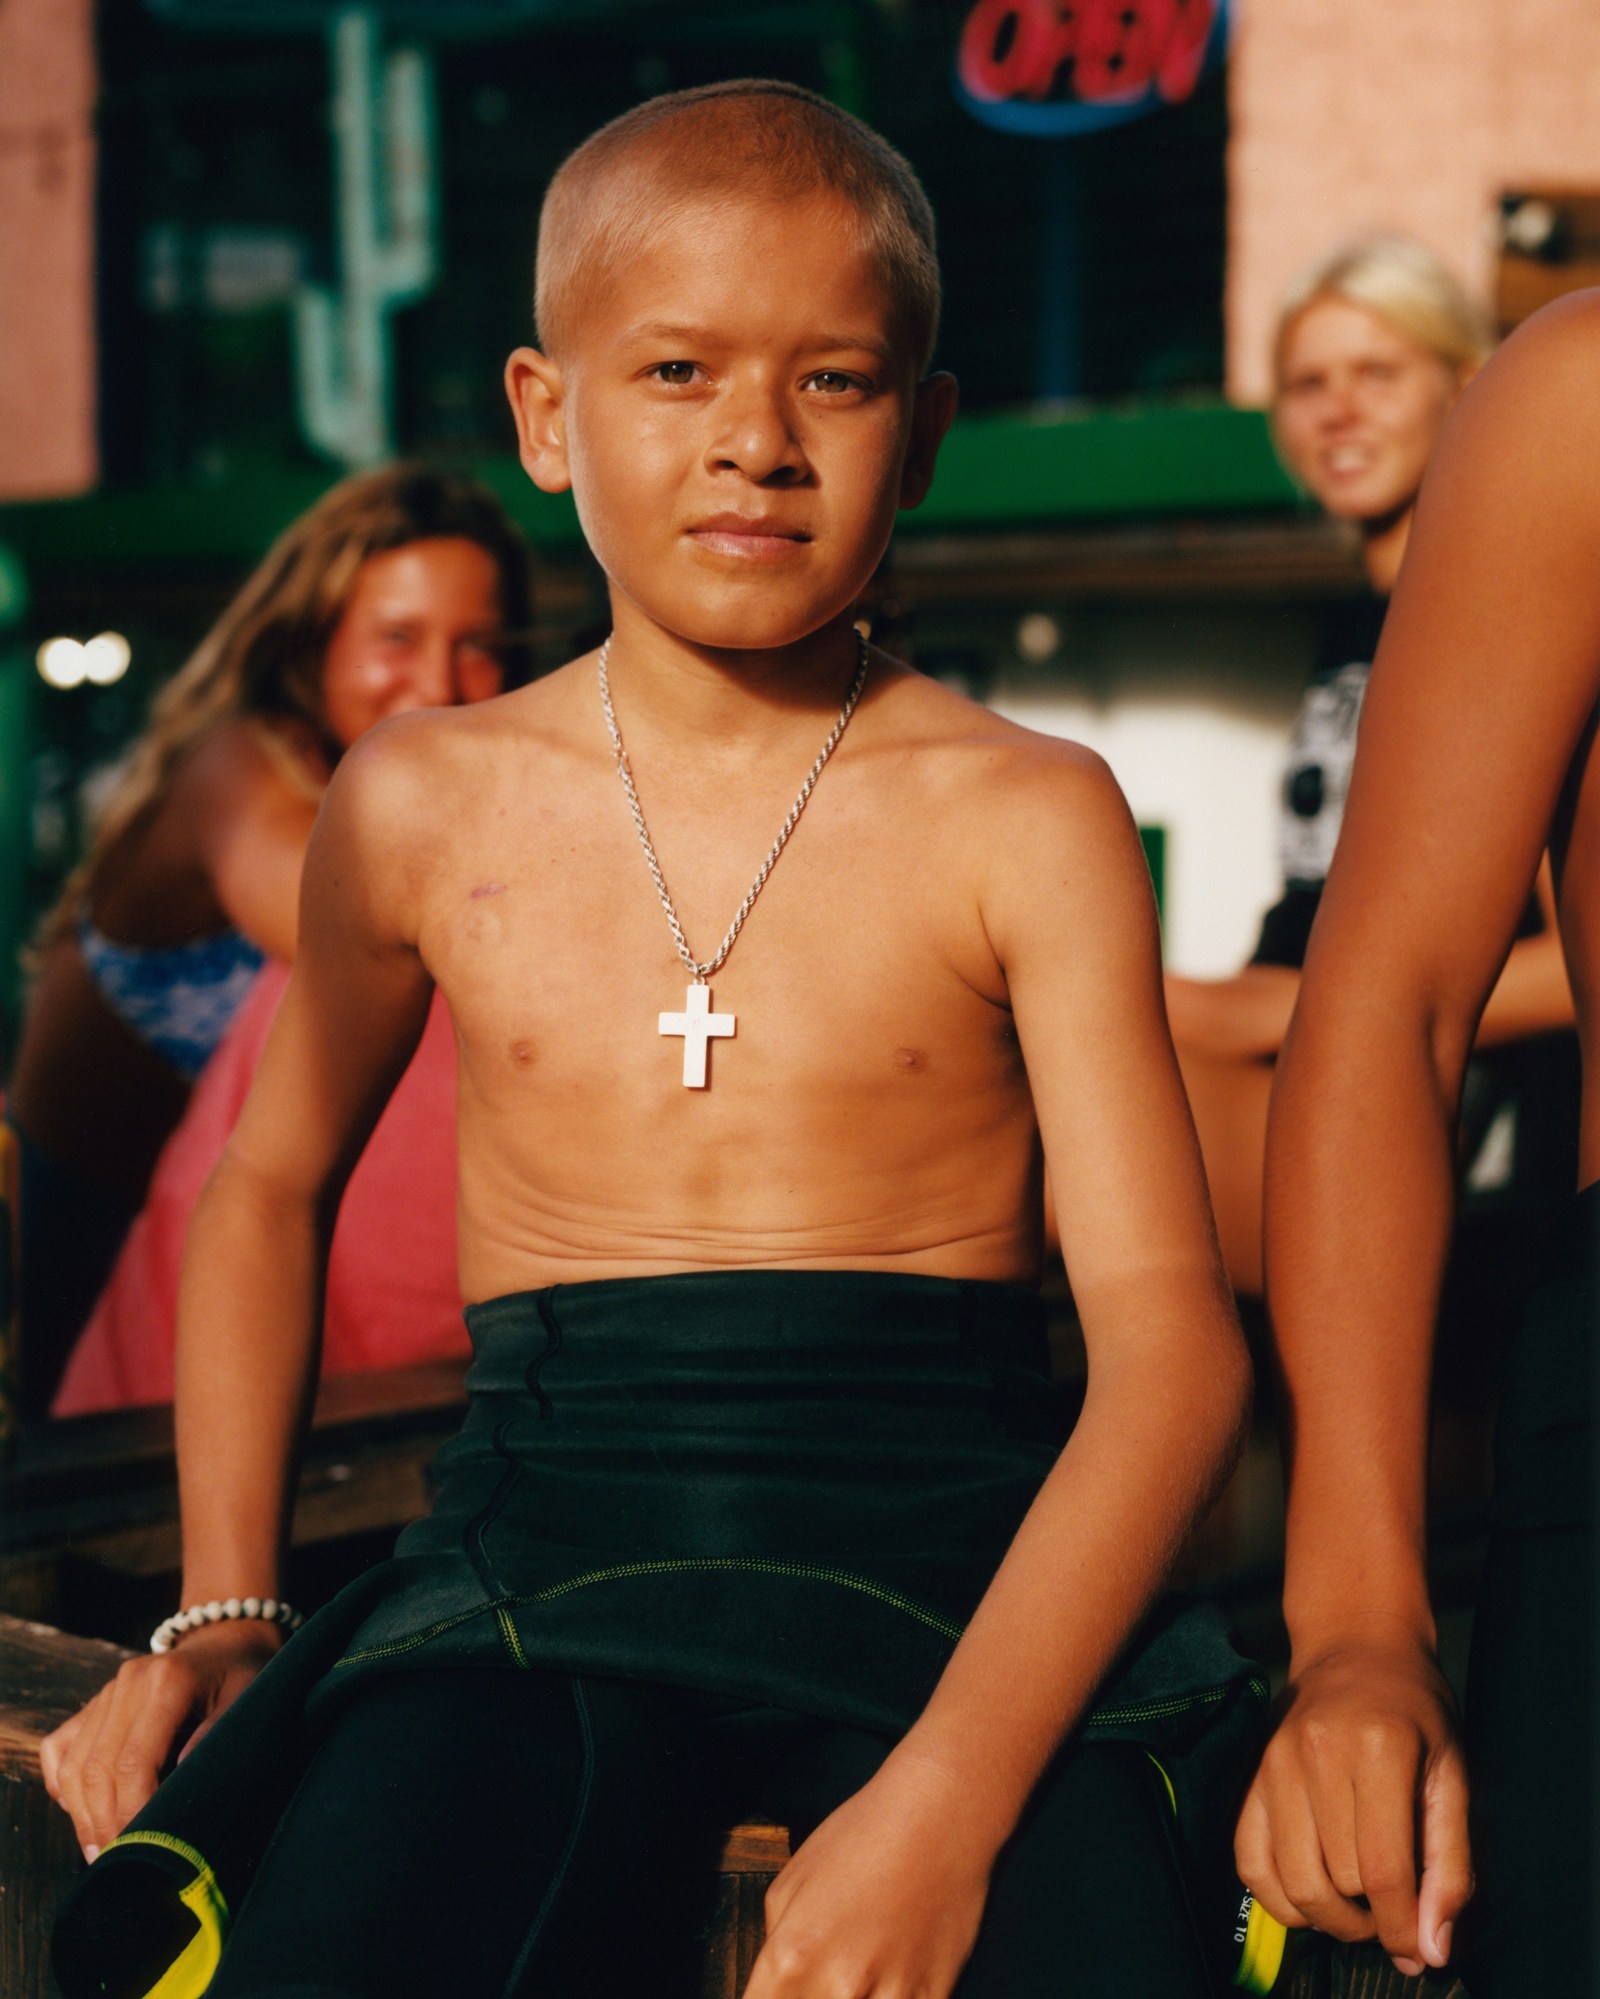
(103, 660)
(61, 663)
(1038, 636)
(106, 658)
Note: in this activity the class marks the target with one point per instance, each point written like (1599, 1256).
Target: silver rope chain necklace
(697, 1024)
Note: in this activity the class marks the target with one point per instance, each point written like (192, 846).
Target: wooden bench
(91, 1540)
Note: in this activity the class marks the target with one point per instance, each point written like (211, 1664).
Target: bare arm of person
(251, 827)
(250, 1302)
(1239, 1019)
(886, 1896)
(1533, 995)
(1489, 666)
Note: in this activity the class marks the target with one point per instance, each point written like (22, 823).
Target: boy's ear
(536, 393)
(931, 416)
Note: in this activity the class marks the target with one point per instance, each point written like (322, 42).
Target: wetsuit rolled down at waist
(789, 1488)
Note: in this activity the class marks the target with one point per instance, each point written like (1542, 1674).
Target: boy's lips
(755, 537)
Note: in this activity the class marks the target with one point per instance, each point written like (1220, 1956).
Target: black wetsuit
(488, 1833)
(1530, 1691)
(701, 1549)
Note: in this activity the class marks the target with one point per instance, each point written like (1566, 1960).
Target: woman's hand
(104, 1764)
(883, 1901)
(1361, 1791)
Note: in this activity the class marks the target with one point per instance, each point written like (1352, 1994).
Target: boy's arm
(886, 1895)
(1488, 668)
(250, 1301)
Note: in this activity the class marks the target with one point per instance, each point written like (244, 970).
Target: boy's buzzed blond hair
(750, 136)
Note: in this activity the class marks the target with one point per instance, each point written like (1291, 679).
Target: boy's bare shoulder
(995, 767)
(424, 763)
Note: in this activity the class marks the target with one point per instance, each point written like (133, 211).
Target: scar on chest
(487, 888)
(911, 1060)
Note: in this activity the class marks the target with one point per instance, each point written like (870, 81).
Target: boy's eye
(676, 374)
(834, 382)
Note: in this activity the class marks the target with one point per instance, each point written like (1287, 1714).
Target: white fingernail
(91, 1854)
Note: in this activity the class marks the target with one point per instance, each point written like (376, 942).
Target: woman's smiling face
(421, 629)
(1359, 409)
(735, 413)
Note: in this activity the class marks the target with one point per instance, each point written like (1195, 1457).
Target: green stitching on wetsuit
(627, 1571)
(762, 1565)
(757, 1565)
(1111, 1717)
(508, 1631)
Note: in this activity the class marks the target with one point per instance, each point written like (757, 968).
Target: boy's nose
(757, 437)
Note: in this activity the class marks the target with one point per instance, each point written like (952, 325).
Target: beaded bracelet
(267, 1608)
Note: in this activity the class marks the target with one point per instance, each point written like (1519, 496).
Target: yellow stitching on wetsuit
(762, 1565)
(508, 1631)
(743, 1564)
(756, 1565)
(1110, 1717)
(192, 1970)
(1161, 1772)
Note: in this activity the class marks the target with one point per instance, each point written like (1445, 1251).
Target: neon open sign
(1049, 68)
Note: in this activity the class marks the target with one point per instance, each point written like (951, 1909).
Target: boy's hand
(883, 1901)
(104, 1764)
(1364, 1773)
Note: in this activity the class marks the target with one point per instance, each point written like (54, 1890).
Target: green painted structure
(17, 684)
(994, 472)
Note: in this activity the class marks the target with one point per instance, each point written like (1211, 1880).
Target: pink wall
(47, 343)
(1412, 116)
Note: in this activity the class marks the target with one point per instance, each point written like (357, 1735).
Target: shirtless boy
(758, 1405)
(1477, 751)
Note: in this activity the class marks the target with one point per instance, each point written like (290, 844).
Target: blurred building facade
(1111, 549)
(1438, 119)
(48, 434)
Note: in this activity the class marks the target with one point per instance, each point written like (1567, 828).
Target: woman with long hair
(397, 590)
(1373, 348)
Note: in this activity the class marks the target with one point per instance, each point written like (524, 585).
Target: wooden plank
(755, 1849)
(1191, 560)
(45, 1676)
(39, 1861)
(335, 1501)
(1364, 1971)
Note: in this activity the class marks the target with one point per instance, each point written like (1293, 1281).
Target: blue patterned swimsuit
(177, 998)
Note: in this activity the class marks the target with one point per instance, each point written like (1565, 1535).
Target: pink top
(393, 1297)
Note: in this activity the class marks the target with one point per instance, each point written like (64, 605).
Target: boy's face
(738, 421)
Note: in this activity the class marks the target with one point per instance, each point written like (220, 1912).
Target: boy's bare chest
(860, 967)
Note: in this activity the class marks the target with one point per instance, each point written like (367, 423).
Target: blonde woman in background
(395, 591)
(1373, 348)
